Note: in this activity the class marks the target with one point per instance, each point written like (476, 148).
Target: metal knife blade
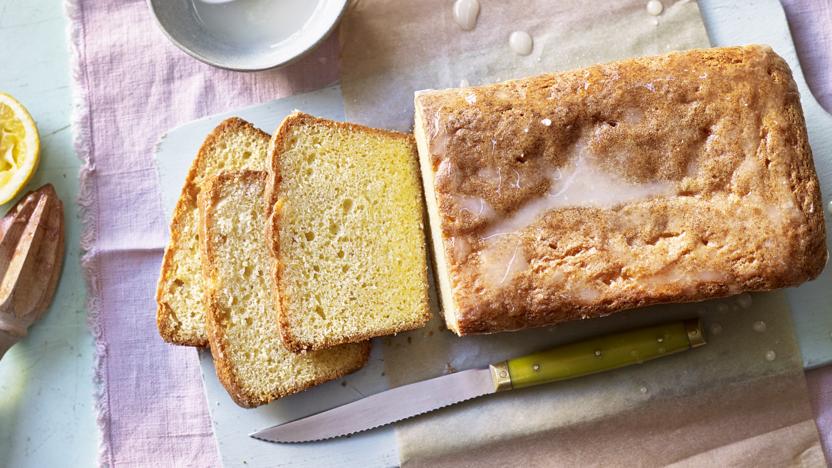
(384, 408)
(562, 362)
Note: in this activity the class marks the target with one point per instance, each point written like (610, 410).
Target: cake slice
(673, 178)
(346, 232)
(233, 145)
(249, 357)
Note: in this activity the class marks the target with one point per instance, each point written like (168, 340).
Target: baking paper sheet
(392, 48)
(723, 400)
(739, 400)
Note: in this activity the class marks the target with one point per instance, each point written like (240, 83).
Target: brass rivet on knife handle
(501, 376)
(696, 336)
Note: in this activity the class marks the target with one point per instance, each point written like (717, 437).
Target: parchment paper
(725, 401)
(392, 48)
(724, 404)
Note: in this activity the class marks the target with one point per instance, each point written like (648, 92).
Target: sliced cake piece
(235, 144)
(346, 232)
(241, 319)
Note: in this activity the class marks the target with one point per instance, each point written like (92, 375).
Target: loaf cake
(673, 178)
(241, 320)
(346, 232)
(235, 144)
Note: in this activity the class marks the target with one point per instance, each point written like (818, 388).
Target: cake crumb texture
(347, 232)
(241, 318)
(233, 145)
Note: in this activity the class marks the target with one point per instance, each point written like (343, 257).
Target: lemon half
(19, 147)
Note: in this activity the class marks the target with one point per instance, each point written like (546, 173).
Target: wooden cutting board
(727, 22)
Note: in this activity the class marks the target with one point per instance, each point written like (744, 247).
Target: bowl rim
(329, 29)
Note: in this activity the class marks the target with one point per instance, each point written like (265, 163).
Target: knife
(560, 363)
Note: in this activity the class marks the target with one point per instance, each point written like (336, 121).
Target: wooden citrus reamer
(31, 255)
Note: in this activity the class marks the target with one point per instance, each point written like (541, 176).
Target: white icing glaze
(587, 294)
(632, 115)
(744, 300)
(581, 185)
(439, 137)
(521, 42)
(471, 98)
(547, 122)
(466, 13)
(447, 173)
(748, 167)
(655, 7)
(674, 275)
(500, 262)
(710, 276)
(492, 177)
(516, 183)
(502, 94)
(460, 248)
(475, 205)
(779, 214)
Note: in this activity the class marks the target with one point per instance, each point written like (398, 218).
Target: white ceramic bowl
(247, 35)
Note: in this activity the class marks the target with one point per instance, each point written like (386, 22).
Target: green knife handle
(598, 354)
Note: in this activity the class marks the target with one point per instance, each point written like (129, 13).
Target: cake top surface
(614, 180)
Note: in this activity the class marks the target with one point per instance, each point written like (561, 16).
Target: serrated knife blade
(384, 408)
(561, 363)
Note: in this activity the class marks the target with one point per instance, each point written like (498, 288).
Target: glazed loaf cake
(673, 178)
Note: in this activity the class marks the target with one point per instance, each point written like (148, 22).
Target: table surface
(46, 382)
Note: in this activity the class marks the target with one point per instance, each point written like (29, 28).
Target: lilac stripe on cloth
(811, 25)
(131, 85)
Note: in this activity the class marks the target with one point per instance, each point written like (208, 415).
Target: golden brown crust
(165, 317)
(723, 128)
(296, 119)
(225, 371)
(292, 342)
